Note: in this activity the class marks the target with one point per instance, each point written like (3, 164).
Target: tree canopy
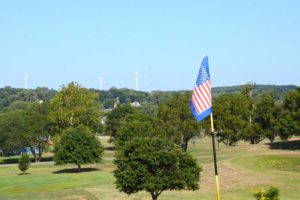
(35, 128)
(77, 146)
(136, 125)
(231, 117)
(73, 106)
(114, 118)
(290, 115)
(154, 165)
(177, 120)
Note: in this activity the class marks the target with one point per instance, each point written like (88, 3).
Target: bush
(270, 194)
(24, 162)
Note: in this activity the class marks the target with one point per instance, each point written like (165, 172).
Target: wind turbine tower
(137, 80)
(25, 81)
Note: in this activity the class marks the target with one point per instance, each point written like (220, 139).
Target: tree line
(238, 116)
(18, 99)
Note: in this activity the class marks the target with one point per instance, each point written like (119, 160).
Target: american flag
(201, 103)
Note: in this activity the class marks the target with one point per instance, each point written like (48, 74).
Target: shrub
(270, 194)
(24, 162)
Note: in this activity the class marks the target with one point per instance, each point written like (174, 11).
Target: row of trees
(12, 99)
(237, 116)
(240, 117)
(32, 127)
(18, 99)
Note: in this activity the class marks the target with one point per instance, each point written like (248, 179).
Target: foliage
(135, 125)
(73, 106)
(114, 118)
(290, 115)
(280, 90)
(11, 124)
(231, 117)
(77, 146)
(266, 115)
(149, 101)
(14, 98)
(177, 120)
(271, 193)
(124, 95)
(24, 162)
(25, 128)
(154, 165)
(35, 128)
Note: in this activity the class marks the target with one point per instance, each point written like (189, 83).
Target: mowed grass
(242, 169)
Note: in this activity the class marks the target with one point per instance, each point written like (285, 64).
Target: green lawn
(242, 169)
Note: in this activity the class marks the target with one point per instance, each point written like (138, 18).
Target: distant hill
(280, 90)
(16, 98)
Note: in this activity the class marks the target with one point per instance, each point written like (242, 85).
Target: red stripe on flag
(196, 105)
(206, 89)
(199, 99)
(202, 97)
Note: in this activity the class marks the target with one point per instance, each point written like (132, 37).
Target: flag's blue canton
(202, 76)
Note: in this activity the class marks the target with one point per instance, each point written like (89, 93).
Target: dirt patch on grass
(230, 178)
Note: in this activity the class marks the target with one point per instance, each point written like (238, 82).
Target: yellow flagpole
(215, 156)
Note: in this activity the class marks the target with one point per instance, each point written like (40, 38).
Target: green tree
(24, 162)
(35, 128)
(231, 116)
(77, 146)
(114, 118)
(154, 165)
(11, 138)
(177, 120)
(73, 106)
(290, 115)
(266, 115)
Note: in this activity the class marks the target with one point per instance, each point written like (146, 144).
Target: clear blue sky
(59, 41)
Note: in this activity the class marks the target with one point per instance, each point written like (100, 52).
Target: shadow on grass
(285, 145)
(75, 170)
(23, 174)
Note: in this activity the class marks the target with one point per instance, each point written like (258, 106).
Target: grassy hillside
(242, 169)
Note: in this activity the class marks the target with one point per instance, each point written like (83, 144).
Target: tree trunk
(154, 196)
(40, 153)
(79, 167)
(33, 153)
(183, 144)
